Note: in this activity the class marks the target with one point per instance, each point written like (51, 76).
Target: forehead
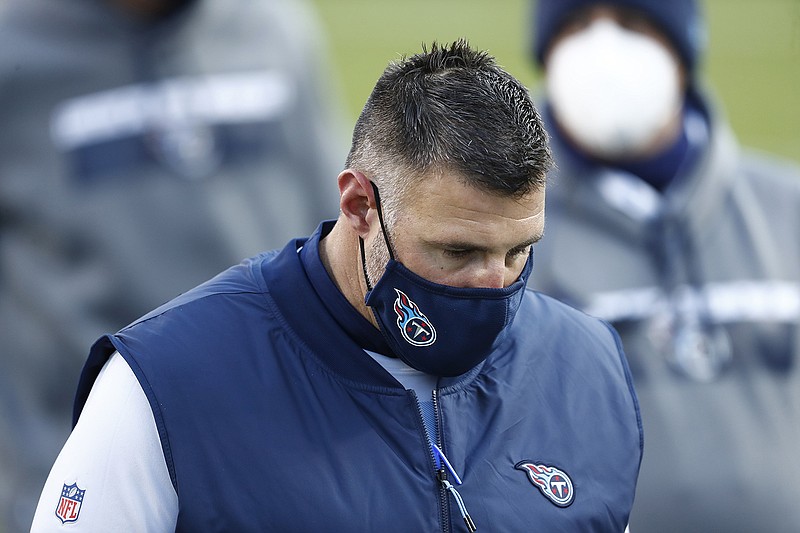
(445, 207)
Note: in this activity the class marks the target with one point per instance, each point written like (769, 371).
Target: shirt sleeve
(110, 474)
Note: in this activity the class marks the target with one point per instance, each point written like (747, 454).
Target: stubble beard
(377, 258)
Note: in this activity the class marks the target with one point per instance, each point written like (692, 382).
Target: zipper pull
(459, 501)
(442, 462)
(441, 459)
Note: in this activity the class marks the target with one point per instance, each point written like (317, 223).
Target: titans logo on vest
(415, 326)
(552, 482)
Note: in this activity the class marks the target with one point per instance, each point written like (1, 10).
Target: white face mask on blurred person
(613, 90)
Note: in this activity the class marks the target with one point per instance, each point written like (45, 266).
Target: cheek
(515, 270)
(377, 257)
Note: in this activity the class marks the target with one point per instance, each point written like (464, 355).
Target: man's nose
(493, 274)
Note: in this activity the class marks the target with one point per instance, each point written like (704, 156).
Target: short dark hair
(452, 108)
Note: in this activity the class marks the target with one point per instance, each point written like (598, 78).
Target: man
(659, 223)
(144, 147)
(389, 373)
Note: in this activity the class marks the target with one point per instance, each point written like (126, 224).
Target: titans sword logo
(415, 327)
(552, 482)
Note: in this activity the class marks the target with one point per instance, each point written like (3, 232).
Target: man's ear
(356, 198)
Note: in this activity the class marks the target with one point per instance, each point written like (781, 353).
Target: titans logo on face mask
(439, 329)
(415, 326)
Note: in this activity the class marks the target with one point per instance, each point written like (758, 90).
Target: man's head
(460, 157)
(450, 109)
(617, 71)
(441, 201)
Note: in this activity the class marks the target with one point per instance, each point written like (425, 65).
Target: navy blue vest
(271, 418)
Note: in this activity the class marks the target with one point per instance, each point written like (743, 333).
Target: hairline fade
(450, 109)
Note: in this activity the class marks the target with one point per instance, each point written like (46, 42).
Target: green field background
(752, 61)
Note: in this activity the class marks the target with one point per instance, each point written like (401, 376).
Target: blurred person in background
(145, 145)
(688, 244)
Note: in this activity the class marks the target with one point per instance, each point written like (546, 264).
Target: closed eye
(514, 253)
(519, 251)
(456, 253)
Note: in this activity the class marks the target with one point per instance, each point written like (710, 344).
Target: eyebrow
(473, 247)
(529, 242)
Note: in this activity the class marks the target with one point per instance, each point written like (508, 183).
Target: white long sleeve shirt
(114, 455)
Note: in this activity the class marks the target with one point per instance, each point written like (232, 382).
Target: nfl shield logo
(69, 506)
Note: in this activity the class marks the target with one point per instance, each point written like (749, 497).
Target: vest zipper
(441, 466)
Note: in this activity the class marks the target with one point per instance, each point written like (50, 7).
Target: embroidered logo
(553, 482)
(415, 327)
(69, 506)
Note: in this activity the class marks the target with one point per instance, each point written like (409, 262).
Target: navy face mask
(439, 329)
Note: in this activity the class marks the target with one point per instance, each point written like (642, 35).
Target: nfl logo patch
(69, 506)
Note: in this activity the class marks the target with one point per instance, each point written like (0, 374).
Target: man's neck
(339, 254)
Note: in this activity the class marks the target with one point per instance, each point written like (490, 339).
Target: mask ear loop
(383, 231)
(364, 263)
(380, 219)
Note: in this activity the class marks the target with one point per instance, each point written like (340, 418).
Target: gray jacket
(703, 284)
(136, 161)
